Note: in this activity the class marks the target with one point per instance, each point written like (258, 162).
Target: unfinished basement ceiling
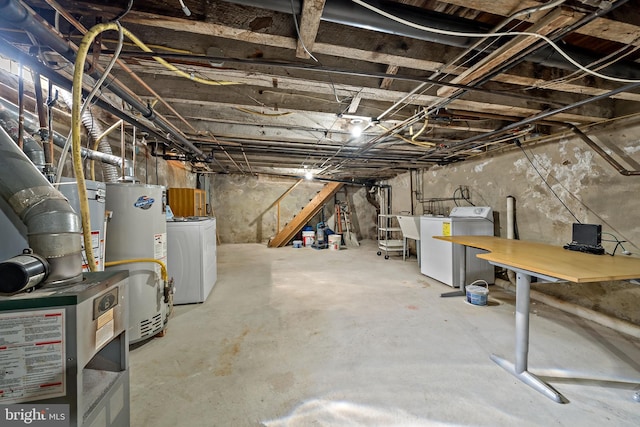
(250, 94)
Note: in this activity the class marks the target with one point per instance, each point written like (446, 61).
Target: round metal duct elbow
(53, 228)
(22, 272)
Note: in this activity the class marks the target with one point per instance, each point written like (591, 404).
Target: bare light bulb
(356, 131)
(308, 175)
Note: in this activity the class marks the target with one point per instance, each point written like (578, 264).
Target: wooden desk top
(553, 261)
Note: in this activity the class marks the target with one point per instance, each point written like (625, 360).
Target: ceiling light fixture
(356, 130)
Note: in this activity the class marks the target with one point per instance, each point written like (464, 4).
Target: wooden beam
(386, 82)
(355, 102)
(309, 24)
(516, 108)
(222, 31)
(555, 19)
(607, 29)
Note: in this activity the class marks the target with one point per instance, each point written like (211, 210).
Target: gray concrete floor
(301, 337)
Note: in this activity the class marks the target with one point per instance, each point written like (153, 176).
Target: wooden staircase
(308, 212)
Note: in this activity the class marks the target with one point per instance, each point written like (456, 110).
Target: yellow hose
(258, 113)
(411, 141)
(169, 66)
(163, 267)
(76, 92)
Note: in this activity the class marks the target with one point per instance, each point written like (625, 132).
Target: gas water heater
(138, 230)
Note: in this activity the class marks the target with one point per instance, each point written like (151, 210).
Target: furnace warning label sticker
(31, 355)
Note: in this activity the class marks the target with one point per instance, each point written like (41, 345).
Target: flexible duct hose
(95, 130)
(110, 172)
(9, 111)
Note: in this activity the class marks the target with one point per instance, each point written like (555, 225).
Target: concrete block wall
(245, 210)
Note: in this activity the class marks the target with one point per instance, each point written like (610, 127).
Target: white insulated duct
(53, 228)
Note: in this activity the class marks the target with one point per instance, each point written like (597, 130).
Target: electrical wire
(618, 244)
(63, 156)
(499, 34)
(423, 88)
(124, 12)
(258, 113)
(295, 21)
(600, 64)
(463, 196)
(603, 220)
(546, 183)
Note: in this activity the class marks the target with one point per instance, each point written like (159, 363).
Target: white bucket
(477, 295)
(334, 241)
(308, 237)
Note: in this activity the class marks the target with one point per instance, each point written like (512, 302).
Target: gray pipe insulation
(53, 228)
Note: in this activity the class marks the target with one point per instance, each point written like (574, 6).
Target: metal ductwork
(53, 228)
(95, 129)
(13, 13)
(345, 12)
(31, 148)
(9, 111)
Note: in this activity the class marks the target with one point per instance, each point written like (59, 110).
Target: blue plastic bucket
(477, 295)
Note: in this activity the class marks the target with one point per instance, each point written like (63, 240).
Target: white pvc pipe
(510, 217)
(616, 324)
(586, 313)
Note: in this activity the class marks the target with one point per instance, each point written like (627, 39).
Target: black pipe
(595, 147)
(543, 115)
(11, 51)
(346, 12)
(14, 13)
(552, 54)
(323, 69)
(22, 272)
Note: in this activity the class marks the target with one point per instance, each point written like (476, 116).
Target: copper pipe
(42, 119)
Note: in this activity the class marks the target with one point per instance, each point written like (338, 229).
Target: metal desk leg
(519, 369)
(404, 248)
(463, 278)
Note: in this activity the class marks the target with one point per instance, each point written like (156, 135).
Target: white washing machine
(443, 260)
(191, 258)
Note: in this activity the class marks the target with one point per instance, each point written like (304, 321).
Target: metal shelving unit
(389, 235)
